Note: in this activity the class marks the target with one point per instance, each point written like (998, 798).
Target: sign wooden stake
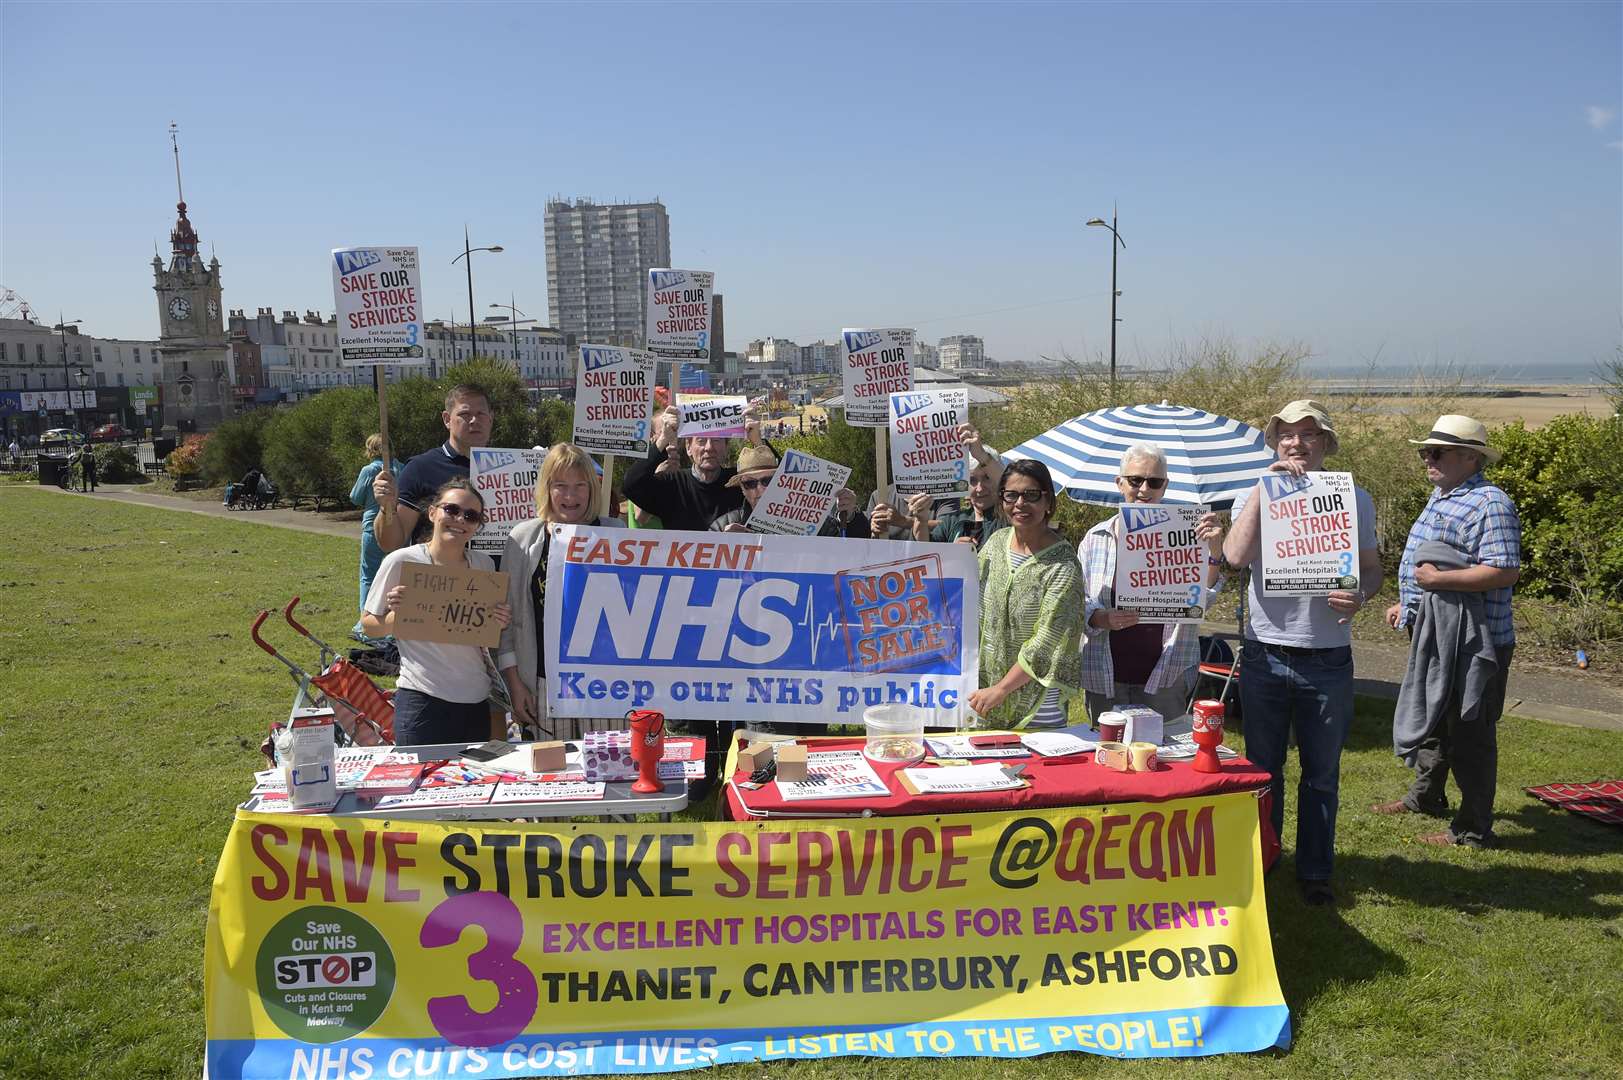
(606, 492)
(383, 416)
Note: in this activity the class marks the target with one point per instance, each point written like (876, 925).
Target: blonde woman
(567, 492)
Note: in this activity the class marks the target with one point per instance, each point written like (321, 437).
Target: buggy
(253, 492)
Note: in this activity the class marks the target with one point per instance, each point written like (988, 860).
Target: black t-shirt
(422, 477)
(679, 499)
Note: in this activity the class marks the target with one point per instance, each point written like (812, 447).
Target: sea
(1399, 379)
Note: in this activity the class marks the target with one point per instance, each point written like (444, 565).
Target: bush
(235, 447)
(185, 461)
(117, 465)
(299, 454)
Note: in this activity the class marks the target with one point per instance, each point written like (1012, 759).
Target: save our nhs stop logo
(324, 974)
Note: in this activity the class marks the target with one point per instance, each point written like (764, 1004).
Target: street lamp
(82, 377)
(62, 328)
(1118, 241)
(473, 339)
(514, 323)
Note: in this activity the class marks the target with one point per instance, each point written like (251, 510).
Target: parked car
(61, 435)
(110, 433)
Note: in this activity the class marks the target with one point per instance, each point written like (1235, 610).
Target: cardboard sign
(926, 455)
(679, 314)
(505, 479)
(874, 364)
(614, 399)
(800, 496)
(1309, 533)
(1160, 563)
(450, 605)
(378, 292)
(715, 417)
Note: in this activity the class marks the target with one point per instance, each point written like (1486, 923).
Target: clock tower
(196, 354)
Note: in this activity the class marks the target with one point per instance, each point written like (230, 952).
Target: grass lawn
(128, 675)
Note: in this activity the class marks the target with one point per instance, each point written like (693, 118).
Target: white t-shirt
(448, 672)
(1307, 622)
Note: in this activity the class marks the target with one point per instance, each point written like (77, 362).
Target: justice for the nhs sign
(712, 626)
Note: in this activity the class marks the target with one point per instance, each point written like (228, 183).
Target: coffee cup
(1112, 726)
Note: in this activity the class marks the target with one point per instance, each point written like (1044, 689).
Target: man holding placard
(687, 499)
(1148, 572)
(970, 525)
(1296, 661)
(468, 421)
(795, 500)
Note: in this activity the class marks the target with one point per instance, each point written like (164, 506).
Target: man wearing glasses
(1296, 668)
(1462, 557)
(756, 466)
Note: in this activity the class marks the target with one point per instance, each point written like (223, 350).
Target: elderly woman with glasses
(1125, 661)
(1031, 609)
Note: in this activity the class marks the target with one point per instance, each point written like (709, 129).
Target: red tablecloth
(1067, 781)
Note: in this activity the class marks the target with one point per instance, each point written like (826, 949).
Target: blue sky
(1418, 183)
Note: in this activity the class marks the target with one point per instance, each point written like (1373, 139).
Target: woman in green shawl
(1031, 609)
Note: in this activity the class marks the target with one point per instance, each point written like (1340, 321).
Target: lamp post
(62, 328)
(1116, 241)
(82, 377)
(513, 323)
(473, 339)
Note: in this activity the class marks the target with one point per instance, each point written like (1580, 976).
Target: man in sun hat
(1296, 668)
(756, 466)
(1461, 560)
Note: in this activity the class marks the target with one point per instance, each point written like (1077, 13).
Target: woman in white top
(442, 692)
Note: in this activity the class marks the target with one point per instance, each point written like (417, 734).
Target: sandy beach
(1535, 406)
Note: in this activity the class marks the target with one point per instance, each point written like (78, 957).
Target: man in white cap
(1296, 661)
(1461, 560)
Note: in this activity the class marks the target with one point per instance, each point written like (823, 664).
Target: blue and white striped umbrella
(1210, 458)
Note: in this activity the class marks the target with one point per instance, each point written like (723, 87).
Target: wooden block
(547, 757)
(791, 762)
(753, 756)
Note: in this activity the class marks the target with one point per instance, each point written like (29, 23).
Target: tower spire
(174, 142)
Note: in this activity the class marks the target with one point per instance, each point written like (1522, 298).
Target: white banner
(800, 496)
(716, 417)
(926, 455)
(378, 292)
(1160, 564)
(874, 364)
(505, 479)
(679, 314)
(614, 399)
(1309, 533)
(722, 626)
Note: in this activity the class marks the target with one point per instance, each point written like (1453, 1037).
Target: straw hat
(754, 459)
(1454, 430)
(1302, 410)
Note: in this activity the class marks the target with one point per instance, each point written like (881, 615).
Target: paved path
(1559, 697)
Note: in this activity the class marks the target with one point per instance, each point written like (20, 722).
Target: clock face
(180, 308)
(214, 308)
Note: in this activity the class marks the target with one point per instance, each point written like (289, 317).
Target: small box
(606, 755)
(310, 761)
(791, 762)
(754, 756)
(547, 757)
(1144, 724)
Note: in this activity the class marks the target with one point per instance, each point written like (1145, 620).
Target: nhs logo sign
(667, 279)
(1138, 518)
(593, 357)
(1278, 486)
(351, 261)
(494, 459)
(907, 404)
(795, 463)
(857, 340)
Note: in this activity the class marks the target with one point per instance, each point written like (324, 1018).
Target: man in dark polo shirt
(401, 507)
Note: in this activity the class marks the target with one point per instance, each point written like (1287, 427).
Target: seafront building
(598, 257)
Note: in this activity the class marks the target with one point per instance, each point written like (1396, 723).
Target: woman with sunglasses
(442, 692)
(567, 492)
(1031, 609)
(1125, 662)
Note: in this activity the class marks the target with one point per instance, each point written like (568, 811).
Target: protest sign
(718, 626)
(926, 455)
(614, 399)
(679, 314)
(1160, 563)
(799, 497)
(505, 479)
(449, 605)
(874, 364)
(713, 417)
(1309, 533)
(351, 946)
(378, 295)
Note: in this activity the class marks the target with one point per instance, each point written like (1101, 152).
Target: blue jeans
(1312, 692)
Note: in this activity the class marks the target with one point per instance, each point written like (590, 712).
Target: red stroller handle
(254, 633)
(287, 613)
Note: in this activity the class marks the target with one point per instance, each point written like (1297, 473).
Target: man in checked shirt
(1479, 521)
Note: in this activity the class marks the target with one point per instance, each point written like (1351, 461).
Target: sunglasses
(463, 513)
(1433, 453)
(750, 483)
(1154, 483)
(1030, 495)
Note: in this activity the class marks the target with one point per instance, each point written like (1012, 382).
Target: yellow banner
(352, 947)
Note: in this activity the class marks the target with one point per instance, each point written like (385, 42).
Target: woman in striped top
(1031, 609)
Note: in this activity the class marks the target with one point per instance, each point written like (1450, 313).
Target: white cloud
(1598, 117)
(1616, 145)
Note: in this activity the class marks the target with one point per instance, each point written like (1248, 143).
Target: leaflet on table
(678, 324)
(835, 774)
(874, 364)
(614, 399)
(705, 416)
(351, 764)
(1161, 564)
(505, 479)
(1058, 743)
(1309, 533)
(926, 455)
(520, 791)
(964, 778)
(276, 802)
(958, 746)
(439, 795)
(800, 496)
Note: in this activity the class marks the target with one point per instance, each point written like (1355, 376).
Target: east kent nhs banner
(725, 626)
(345, 948)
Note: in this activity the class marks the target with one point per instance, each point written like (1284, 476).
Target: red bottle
(1206, 722)
(647, 747)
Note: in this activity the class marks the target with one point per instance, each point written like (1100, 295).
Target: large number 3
(411, 334)
(516, 993)
(1346, 562)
